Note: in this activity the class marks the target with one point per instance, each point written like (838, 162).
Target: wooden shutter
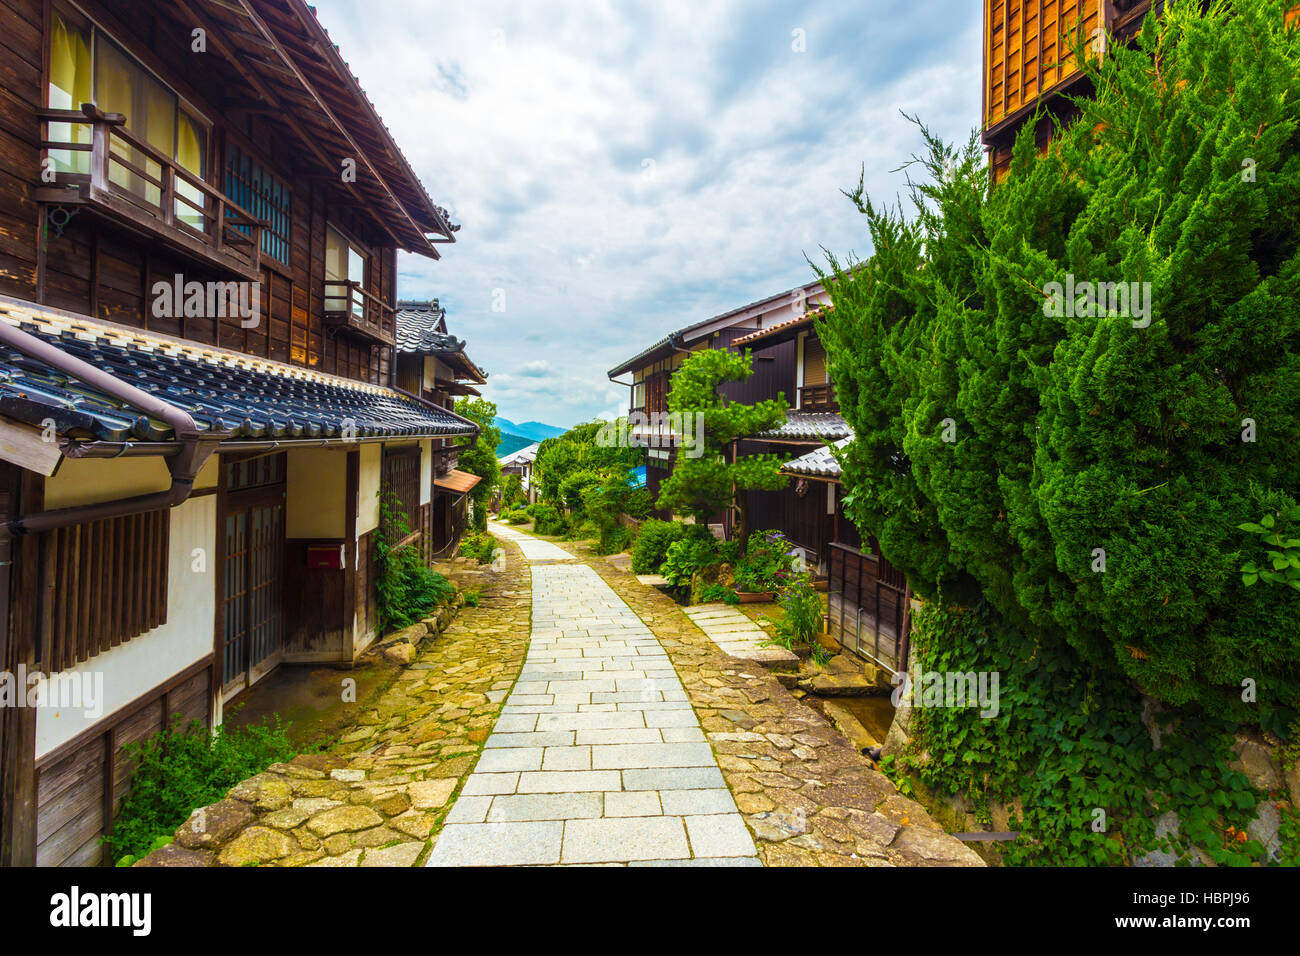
(814, 362)
(103, 583)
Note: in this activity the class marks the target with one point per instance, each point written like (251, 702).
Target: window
(107, 583)
(86, 66)
(256, 472)
(344, 262)
(401, 477)
(263, 195)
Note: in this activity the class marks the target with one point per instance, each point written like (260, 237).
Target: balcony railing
(818, 398)
(349, 306)
(133, 184)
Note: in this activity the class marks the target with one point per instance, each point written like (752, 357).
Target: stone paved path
(597, 757)
(735, 634)
(534, 549)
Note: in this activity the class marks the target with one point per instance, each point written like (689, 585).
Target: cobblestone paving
(379, 796)
(597, 757)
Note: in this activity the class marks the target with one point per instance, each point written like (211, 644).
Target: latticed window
(401, 482)
(262, 194)
(105, 582)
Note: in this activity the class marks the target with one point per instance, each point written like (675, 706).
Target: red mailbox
(325, 557)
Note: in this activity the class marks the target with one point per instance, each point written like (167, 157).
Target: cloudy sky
(623, 169)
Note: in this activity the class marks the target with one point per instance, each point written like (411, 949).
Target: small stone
(286, 819)
(343, 820)
(430, 794)
(401, 653)
(348, 776)
(256, 845)
(350, 858)
(415, 823)
(175, 855)
(212, 826)
(775, 827)
(403, 854)
(395, 805)
(753, 803)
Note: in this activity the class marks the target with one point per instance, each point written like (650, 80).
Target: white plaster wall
(316, 485)
(426, 472)
(368, 488)
(144, 662)
(81, 481)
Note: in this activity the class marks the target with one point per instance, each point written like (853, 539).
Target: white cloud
(534, 123)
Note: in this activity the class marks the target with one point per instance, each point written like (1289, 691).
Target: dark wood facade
(57, 250)
(96, 218)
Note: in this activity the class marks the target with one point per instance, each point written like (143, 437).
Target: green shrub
(512, 492)
(408, 590)
(573, 487)
(803, 608)
(547, 519)
(480, 546)
(698, 551)
(1086, 467)
(715, 592)
(653, 538)
(472, 598)
(183, 768)
(614, 540)
(768, 562)
(1067, 740)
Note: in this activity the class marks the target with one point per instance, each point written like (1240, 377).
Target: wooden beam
(217, 38)
(313, 26)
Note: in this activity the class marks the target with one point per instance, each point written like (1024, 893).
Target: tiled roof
(527, 453)
(251, 397)
(422, 330)
(812, 288)
(817, 464)
(810, 426)
(422, 327)
(788, 325)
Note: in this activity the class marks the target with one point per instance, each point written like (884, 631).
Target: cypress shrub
(1086, 464)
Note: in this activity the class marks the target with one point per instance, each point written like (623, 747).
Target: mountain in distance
(511, 444)
(533, 431)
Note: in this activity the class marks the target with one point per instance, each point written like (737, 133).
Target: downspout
(193, 446)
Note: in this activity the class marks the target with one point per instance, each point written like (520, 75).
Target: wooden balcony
(818, 398)
(134, 185)
(350, 307)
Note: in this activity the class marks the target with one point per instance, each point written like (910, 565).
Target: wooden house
(1029, 61)
(651, 370)
(521, 463)
(810, 515)
(434, 365)
(200, 212)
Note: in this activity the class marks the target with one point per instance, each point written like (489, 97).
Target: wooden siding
(81, 785)
(1028, 49)
(92, 265)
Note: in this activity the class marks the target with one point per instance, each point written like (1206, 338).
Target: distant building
(521, 463)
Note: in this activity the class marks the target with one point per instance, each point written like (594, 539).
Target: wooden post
(20, 492)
